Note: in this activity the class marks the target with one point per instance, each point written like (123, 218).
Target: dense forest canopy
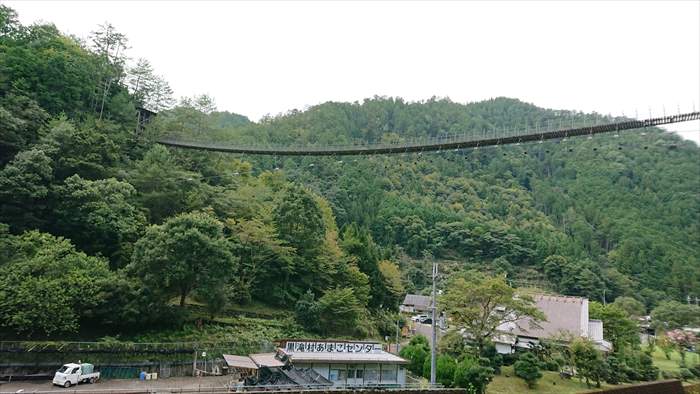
(122, 232)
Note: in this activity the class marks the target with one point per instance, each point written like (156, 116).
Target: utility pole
(604, 304)
(433, 343)
(397, 336)
(194, 363)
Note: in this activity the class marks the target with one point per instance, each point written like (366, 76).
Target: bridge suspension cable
(463, 141)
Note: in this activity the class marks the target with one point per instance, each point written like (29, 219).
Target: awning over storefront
(242, 362)
(266, 360)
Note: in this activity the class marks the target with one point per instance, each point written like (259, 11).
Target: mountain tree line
(126, 233)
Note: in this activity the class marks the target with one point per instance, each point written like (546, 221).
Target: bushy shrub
(559, 360)
(510, 359)
(527, 368)
(695, 370)
(385, 322)
(551, 365)
(445, 372)
(472, 376)
(416, 353)
(686, 374)
(452, 344)
(491, 358)
(617, 371)
(670, 375)
(306, 312)
(640, 366)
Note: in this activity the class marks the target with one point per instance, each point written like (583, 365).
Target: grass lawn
(672, 364)
(550, 383)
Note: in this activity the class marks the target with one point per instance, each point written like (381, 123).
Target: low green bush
(686, 374)
(551, 365)
(527, 368)
(695, 370)
(670, 375)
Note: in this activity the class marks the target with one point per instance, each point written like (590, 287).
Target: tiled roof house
(415, 303)
(566, 316)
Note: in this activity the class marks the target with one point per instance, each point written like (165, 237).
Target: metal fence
(20, 360)
(338, 389)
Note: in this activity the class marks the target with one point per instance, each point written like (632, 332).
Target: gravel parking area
(116, 385)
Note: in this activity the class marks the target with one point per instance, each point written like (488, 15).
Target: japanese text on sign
(332, 347)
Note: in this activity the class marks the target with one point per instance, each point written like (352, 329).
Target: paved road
(426, 329)
(160, 385)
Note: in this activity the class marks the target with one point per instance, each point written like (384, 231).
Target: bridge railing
(453, 141)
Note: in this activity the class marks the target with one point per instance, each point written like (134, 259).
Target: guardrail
(338, 387)
(248, 389)
(109, 347)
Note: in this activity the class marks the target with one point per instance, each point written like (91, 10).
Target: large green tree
(299, 221)
(50, 68)
(416, 352)
(618, 327)
(90, 150)
(673, 314)
(480, 303)
(588, 361)
(21, 124)
(265, 262)
(100, 216)
(164, 187)
(25, 190)
(339, 311)
(46, 285)
(188, 252)
(527, 368)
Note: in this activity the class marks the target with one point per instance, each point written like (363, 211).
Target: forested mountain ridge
(123, 233)
(624, 208)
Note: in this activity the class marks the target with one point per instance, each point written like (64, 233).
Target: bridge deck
(455, 142)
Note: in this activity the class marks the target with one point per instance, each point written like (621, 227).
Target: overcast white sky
(270, 57)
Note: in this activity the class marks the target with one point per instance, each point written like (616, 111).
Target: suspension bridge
(451, 142)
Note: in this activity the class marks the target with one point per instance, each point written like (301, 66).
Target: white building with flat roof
(352, 363)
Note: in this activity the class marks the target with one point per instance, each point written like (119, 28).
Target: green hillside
(621, 210)
(105, 232)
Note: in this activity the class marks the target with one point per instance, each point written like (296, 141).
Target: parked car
(418, 318)
(70, 374)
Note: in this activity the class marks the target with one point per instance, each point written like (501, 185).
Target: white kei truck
(70, 374)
